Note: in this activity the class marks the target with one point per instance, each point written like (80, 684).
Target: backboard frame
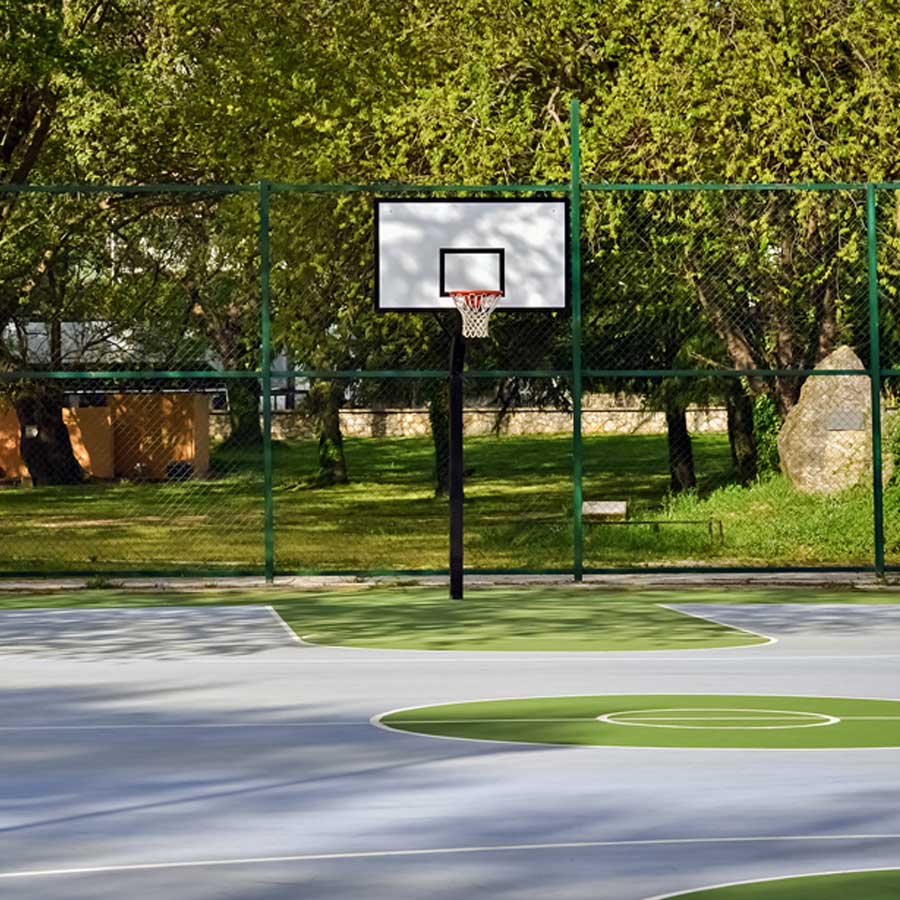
(563, 202)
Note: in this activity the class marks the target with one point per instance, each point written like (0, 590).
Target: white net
(476, 308)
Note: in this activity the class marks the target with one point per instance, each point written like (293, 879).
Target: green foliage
(360, 90)
(766, 426)
(87, 93)
(891, 443)
(427, 91)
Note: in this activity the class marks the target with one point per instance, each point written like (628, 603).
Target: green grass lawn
(879, 885)
(518, 513)
(495, 618)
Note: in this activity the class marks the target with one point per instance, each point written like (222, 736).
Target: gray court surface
(206, 753)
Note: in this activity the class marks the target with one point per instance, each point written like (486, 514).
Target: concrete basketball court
(207, 753)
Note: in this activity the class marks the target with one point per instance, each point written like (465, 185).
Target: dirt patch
(139, 520)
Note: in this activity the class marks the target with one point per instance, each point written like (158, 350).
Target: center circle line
(712, 718)
(641, 719)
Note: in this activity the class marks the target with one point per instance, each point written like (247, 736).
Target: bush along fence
(193, 381)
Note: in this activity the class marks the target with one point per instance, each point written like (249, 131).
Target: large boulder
(825, 443)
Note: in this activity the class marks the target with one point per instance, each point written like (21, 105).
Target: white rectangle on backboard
(426, 248)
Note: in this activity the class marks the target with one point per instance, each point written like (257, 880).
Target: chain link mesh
(888, 249)
(132, 406)
(121, 475)
(359, 482)
(767, 280)
(710, 474)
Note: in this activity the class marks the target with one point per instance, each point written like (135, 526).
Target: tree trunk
(225, 327)
(681, 454)
(439, 419)
(243, 413)
(325, 398)
(786, 393)
(44, 441)
(740, 432)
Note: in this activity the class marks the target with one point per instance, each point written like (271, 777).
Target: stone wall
(601, 414)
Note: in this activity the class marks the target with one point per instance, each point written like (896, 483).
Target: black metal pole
(457, 361)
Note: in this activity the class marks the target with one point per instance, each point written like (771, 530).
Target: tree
(452, 92)
(743, 92)
(81, 98)
(642, 315)
(217, 270)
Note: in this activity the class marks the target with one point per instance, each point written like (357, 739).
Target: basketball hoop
(475, 307)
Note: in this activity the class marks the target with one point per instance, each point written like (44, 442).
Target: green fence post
(575, 245)
(875, 380)
(266, 367)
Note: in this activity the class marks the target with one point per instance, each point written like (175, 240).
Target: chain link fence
(193, 381)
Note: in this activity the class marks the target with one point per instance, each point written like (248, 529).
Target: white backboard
(426, 248)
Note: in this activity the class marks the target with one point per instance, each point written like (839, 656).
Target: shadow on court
(161, 761)
(153, 633)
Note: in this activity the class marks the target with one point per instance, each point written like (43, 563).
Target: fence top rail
(712, 186)
(398, 187)
(355, 374)
(392, 187)
(98, 188)
(126, 374)
(375, 187)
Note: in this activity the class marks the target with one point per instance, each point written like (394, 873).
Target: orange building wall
(134, 436)
(10, 461)
(150, 431)
(90, 430)
(201, 433)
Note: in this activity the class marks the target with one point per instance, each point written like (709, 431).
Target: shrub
(766, 425)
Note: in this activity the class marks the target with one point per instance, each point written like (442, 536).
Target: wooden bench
(604, 510)
(615, 512)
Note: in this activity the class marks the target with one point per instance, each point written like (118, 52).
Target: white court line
(603, 718)
(80, 610)
(365, 723)
(444, 657)
(195, 725)
(442, 851)
(492, 720)
(284, 625)
(643, 720)
(197, 609)
(772, 878)
(792, 718)
(769, 640)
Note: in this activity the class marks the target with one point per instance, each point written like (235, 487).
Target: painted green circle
(883, 884)
(701, 721)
